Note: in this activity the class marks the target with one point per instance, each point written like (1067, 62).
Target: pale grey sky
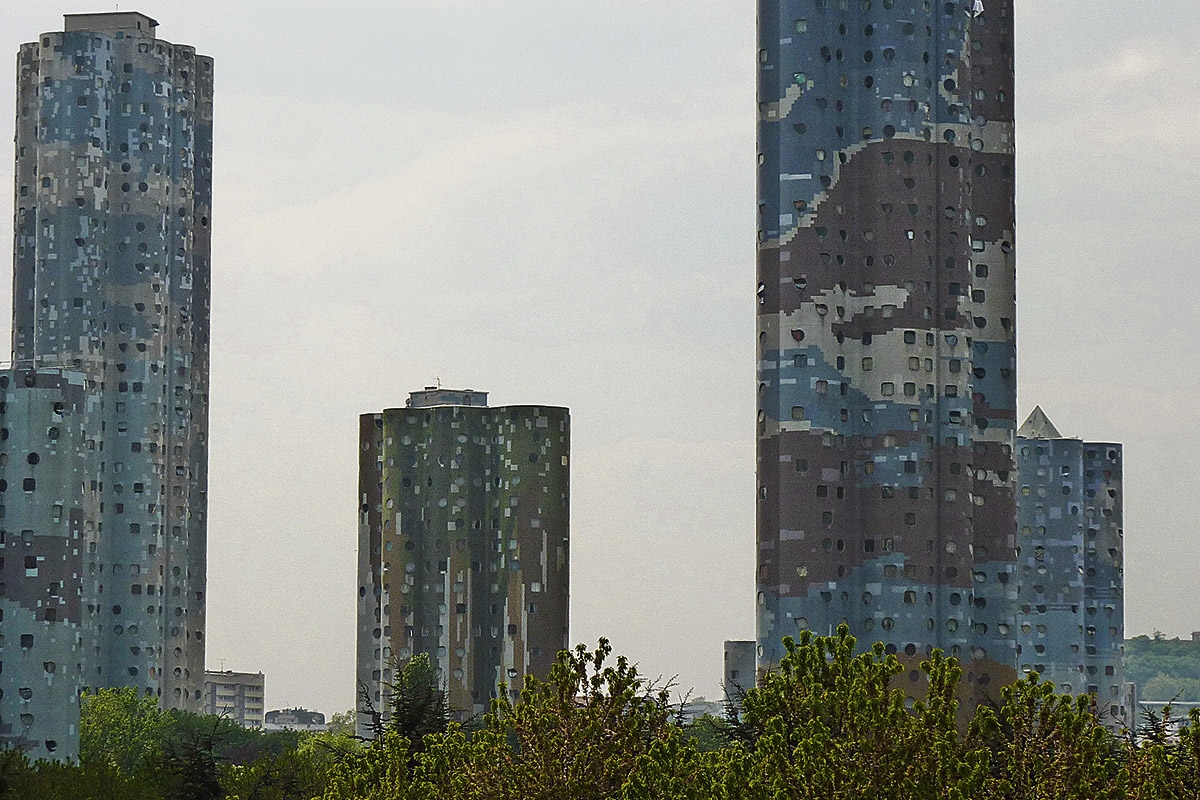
(554, 201)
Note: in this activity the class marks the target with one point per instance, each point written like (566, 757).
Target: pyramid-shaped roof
(1039, 426)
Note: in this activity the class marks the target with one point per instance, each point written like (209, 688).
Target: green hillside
(1164, 669)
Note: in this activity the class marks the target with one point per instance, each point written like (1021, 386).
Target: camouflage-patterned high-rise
(886, 327)
(51, 512)
(1070, 575)
(111, 282)
(463, 544)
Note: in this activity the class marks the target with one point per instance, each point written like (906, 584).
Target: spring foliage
(828, 724)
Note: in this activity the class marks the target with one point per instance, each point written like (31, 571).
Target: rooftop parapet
(111, 21)
(437, 396)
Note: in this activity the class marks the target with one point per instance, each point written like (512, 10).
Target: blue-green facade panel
(49, 527)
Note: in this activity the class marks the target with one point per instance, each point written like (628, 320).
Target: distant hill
(1164, 669)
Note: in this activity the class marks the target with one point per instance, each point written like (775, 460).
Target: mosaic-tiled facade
(1071, 565)
(886, 328)
(111, 281)
(463, 544)
(50, 514)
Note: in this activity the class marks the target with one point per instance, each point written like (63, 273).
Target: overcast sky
(554, 202)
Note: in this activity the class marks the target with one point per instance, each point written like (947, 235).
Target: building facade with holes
(110, 299)
(464, 525)
(886, 329)
(1071, 565)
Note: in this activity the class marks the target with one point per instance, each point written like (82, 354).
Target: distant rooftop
(1039, 426)
(214, 674)
(110, 21)
(437, 396)
(295, 716)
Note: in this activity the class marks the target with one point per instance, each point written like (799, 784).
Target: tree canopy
(829, 724)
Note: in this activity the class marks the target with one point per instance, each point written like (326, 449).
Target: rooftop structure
(295, 719)
(123, 22)
(437, 396)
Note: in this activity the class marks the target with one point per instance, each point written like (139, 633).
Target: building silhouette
(1070, 578)
(463, 545)
(104, 449)
(886, 329)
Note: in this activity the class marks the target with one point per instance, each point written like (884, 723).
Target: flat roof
(110, 21)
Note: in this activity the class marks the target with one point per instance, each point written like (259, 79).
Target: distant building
(697, 707)
(104, 454)
(1070, 581)
(295, 719)
(463, 544)
(236, 695)
(740, 669)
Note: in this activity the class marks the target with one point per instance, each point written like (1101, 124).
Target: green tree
(709, 733)
(342, 723)
(121, 728)
(1047, 745)
(377, 772)
(418, 702)
(1164, 669)
(829, 724)
(1167, 688)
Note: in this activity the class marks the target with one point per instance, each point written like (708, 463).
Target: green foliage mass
(1164, 669)
(829, 724)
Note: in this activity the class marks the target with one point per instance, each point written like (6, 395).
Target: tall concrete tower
(1071, 567)
(111, 305)
(463, 544)
(886, 328)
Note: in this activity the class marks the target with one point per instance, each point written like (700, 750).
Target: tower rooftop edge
(110, 21)
(437, 396)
